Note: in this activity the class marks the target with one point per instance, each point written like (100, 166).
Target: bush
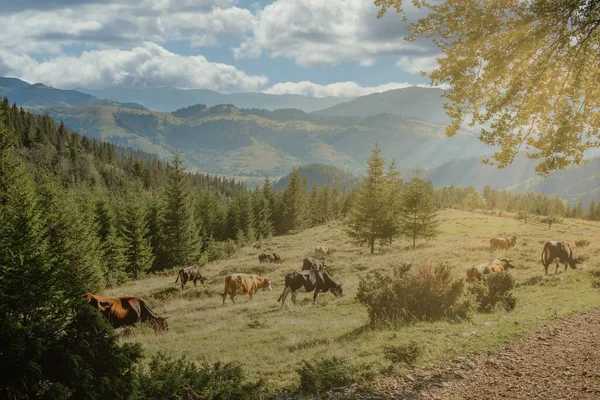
(403, 354)
(178, 378)
(229, 248)
(582, 243)
(329, 373)
(407, 293)
(494, 289)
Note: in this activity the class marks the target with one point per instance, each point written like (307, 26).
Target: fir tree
(211, 214)
(296, 212)
(261, 215)
(578, 210)
(111, 245)
(336, 199)
(136, 240)
(592, 211)
(368, 214)
(391, 226)
(240, 220)
(181, 240)
(53, 346)
(313, 205)
(71, 233)
(418, 211)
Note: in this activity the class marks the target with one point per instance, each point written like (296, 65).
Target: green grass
(270, 343)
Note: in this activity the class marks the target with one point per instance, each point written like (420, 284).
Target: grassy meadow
(270, 342)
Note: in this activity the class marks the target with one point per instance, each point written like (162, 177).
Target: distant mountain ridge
(573, 184)
(255, 142)
(40, 95)
(171, 99)
(413, 102)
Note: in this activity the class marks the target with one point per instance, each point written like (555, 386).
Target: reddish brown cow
(127, 310)
(247, 283)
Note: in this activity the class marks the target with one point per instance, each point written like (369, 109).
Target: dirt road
(561, 361)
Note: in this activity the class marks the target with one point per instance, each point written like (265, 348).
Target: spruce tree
(592, 211)
(240, 220)
(296, 211)
(418, 212)
(368, 213)
(136, 240)
(53, 345)
(211, 214)
(313, 205)
(336, 199)
(391, 226)
(181, 240)
(111, 245)
(578, 210)
(71, 233)
(263, 227)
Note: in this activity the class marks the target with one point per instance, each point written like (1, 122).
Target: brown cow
(248, 283)
(269, 258)
(322, 251)
(504, 243)
(127, 310)
(561, 252)
(476, 272)
(189, 274)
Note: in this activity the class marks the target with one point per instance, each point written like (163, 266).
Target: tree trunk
(372, 244)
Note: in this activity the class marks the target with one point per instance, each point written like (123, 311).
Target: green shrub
(178, 378)
(403, 354)
(318, 377)
(229, 248)
(493, 290)
(407, 293)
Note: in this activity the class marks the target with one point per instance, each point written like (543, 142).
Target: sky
(309, 47)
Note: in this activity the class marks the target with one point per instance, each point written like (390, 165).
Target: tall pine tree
(181, 240)
(368, 215)
(136, 238)
(418, 211)
(296, 210)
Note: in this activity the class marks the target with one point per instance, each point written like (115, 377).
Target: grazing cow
(270, 257)
(308, 281)
(265, 257)
(476, 272)
(561, 252)
(277, 258)
(310, 263)
(322, 251)
(128, 310)
(504, 243)
(248, 283)
(189, 274)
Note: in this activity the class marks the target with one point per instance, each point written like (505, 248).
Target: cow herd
(128, 310)
(552, 251)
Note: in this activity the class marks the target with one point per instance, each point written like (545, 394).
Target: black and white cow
(560, 251)
(308, 281)
(310, 263)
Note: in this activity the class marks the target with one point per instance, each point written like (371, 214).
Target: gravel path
(561, 361)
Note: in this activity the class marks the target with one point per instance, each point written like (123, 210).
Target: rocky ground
(561, 361)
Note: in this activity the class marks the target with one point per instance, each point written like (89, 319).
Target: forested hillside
(323, 175)
(250, 142)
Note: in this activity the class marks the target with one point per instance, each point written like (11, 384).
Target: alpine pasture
(270, 342)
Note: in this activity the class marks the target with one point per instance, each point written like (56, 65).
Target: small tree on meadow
(369, 218)
(418, 211)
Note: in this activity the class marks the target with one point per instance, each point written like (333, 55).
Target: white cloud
(124, 24)
(326, 33)
(338, 89)
(148, 65)
(414, 65)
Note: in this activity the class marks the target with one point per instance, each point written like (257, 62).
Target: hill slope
(572, 184)
(170, 99)
(413, 102)
(227, 140)
(39, 95)
(322, 175)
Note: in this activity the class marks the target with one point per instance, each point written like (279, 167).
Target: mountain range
(252, 142)
(40, 95)
(171, 99)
